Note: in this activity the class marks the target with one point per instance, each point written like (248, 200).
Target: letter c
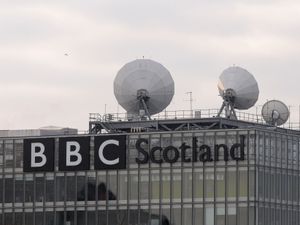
(101, 149)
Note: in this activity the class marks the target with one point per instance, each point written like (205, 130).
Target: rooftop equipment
(275, 112)
(239, 90)
(143, 88)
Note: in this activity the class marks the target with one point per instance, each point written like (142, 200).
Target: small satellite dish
(275, 112)
(239, 90)
(143, 87)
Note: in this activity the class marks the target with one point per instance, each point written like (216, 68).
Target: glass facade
(260, 190)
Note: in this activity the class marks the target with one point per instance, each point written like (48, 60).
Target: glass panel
(102, 217)
(220, 184)
(176, 186)
(166, 189)
(71, 192)
(209, 185)
(133, 216)
(91, 188)
(155, 190)
(39, 218)
(9, 190)
(242, 216)
(39, 195)
(8, 218)
(144, 185)
(243, 183)
(29, 195)
(28, 218)
(1, 156)
(60, 188)
(231, 214)
(70, 218)
(187, 216)
(252, 217)
(220, 215)
(231, 183)
(133, 177)
(165, 217)
(19, 153)
(176, 218)
(49, 218)
(91, 217)
(198, 184)
(198, 214)
(49, 188)
(112, 185)
(81, 188)
(209, 215)
(9, 154)
(19, 188)
(187, 185)
(251, 183)
(18, 219)
(1, 190)
(122, 193)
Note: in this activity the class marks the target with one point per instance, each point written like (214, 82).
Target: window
(209, 184)
(187, 185)
(198, 184)
(8, 189)
(231, 183)
(220, 183)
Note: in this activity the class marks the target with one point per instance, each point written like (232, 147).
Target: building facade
(201, 177)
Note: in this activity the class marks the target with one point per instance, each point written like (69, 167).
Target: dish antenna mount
(143, 88)
(275, 112)
(239, 90)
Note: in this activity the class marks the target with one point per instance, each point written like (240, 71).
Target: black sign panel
(38, 154)
(74, 153)
(110, 152)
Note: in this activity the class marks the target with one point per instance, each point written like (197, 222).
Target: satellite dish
(143, 87)
(275, 112)
(239, 90)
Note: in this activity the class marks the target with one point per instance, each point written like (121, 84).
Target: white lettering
(37, 154)
(70, 153)
(101, 149)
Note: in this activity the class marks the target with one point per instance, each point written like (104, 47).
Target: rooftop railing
(186, 114)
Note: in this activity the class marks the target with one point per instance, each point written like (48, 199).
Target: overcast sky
(194, 40)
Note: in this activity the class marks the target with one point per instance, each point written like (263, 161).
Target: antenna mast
(191, 101)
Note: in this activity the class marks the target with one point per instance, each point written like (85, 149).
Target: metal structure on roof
(275, 112)
(143, 88)
(239, 90)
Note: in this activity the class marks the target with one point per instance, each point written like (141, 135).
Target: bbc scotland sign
(74, 153)
(110, 153)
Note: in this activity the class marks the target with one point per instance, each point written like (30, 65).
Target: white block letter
(101, 149)
(37, 154)
(75, 153)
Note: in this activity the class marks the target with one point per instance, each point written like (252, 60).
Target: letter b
(74, 153)
(37, 152)
(38, 155)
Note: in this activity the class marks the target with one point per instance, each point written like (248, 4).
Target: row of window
(280, 185)
(154, 185)
(278, 150)
(186, 214)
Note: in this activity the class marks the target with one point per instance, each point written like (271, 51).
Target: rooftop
(181, 120)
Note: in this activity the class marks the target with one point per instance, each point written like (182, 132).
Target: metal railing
(187, 114)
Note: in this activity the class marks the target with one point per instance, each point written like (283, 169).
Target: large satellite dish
(239, 90)
(143, 87)
(275, 112)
